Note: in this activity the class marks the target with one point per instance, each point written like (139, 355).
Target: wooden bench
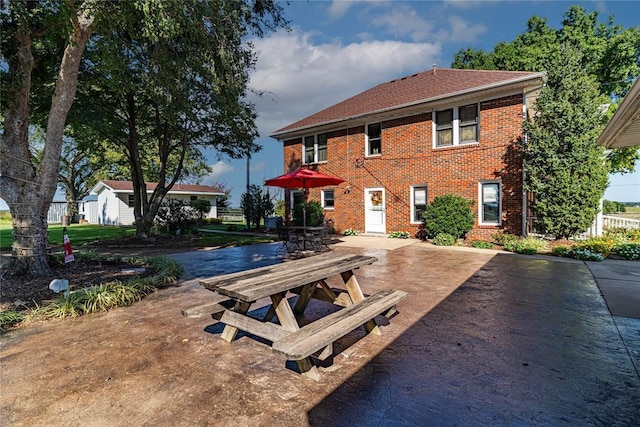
(214, 306)
(320, 335)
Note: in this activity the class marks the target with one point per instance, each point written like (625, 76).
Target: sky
(336, 49)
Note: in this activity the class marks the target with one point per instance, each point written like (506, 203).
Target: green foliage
(504, 238)
(10, 317)
(315, 213)
(479, 244)
(561, 251)
(350, 232)
(612, 207)
(448, 214)
(599, 245)
(527, 245)
(586, 255)
(563, 165)
(256, 205)
(280, 208)
(623, 235)
(202, 207)
(608, 52)
(629, 251)
(399, 235)
(444, 239)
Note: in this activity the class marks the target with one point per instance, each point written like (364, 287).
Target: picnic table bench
(236, 292)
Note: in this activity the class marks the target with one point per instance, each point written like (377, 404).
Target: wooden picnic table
(307, 278)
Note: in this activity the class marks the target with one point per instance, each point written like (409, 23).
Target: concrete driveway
(483, 338)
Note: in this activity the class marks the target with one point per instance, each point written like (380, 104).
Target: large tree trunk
(28, 191)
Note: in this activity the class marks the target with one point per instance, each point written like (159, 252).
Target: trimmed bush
(586, 254)
(448, 214)
(504, 238)
(628, 250)
(561, 251)
(478, 244)
(599, 245)
(444, 239)
(527, 245)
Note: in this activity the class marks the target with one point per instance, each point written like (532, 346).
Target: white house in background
(115, 199)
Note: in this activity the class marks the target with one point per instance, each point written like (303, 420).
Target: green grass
(78, 234)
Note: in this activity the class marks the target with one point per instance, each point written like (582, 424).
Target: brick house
(402, 143)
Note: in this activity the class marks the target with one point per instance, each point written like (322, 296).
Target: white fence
(87, 210)
(619, 222)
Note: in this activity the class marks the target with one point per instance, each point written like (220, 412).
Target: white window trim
(328, 208)
(456, 126)
(412, 204)
(480, 216)
(367, 148)
(315, 150)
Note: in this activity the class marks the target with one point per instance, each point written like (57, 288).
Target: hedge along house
(115, 199)
(402, 143)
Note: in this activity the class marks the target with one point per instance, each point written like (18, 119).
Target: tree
(609, 52)
(28, 191)
(170, 84)
(564, 167)
(256, 205)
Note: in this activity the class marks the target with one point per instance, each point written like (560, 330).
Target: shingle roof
(126, 186)
(417, 88)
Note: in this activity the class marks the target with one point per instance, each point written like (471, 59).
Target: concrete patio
(484, 338)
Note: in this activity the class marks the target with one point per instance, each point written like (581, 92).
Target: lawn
(84, 233)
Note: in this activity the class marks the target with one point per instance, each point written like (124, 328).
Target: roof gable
(410, 90)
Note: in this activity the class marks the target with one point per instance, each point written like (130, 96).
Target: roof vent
(434, 68)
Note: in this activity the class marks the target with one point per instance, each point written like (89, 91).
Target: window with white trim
(455, 126)
(490, 206)
(131, 201)
(374, 139)
(418, 202)
(327, 197)
(315, 148)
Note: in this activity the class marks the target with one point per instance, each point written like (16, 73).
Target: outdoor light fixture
(59, 285)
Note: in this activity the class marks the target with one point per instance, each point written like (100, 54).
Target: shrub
(448, 214)
(628, 250)
(177, 215)
(586, 254)
(350, 232)
(561, 251)
(444, 239)
(504, 238)
(527, 245)
(600, 245)
(623, 235)
(399, 235)
(481, 245)
(315, 213)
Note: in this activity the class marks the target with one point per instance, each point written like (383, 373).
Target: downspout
(524, 173)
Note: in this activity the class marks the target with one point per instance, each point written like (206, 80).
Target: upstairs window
(131, 201)
(456, 126)
(374, 140)
(315, 148)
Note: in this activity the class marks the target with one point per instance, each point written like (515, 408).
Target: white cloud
(461, 31)
(404, 21)
(302, 78)
(219, 172)
(339, 8)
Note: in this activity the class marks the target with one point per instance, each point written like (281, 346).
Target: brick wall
(408, 158)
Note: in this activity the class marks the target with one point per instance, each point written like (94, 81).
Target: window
(456, 126)
(374, 140)
(327, 199)
(131, 202)
(192, 198)
(490, 207)
(418, 202)
(315, 148)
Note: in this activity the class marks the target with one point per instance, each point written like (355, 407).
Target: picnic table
(237, 292)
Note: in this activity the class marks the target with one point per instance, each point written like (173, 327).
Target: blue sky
(337, 49)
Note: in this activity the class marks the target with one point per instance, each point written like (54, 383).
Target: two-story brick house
(402, 143)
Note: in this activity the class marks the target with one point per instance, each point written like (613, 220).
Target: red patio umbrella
(303, 178)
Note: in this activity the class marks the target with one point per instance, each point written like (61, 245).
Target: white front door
(374, 211)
